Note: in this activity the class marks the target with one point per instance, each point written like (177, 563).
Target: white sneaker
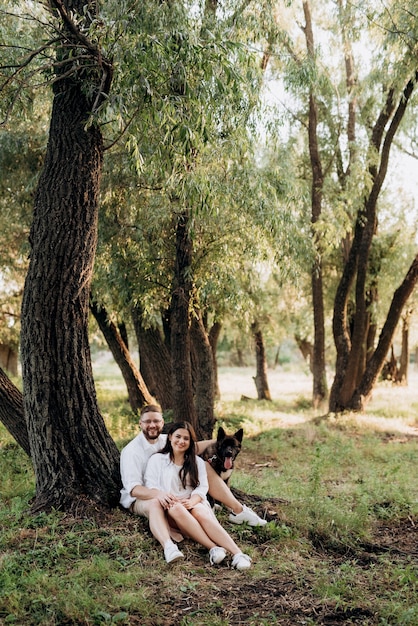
(172, 553)
(247, 515)
(216, 555)
(241, 561)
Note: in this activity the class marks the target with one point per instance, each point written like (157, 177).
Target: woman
(180, 476)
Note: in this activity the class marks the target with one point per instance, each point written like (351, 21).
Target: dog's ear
(239, 434)
(221, 434)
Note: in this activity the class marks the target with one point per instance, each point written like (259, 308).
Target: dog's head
(228, 446)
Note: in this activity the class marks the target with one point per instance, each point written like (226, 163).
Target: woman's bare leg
(213, 529)
(189, 525)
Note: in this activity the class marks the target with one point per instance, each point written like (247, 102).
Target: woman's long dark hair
(189, 469)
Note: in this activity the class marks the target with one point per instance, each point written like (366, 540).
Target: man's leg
(220, 491)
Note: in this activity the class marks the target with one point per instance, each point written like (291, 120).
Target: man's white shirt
(133, 461)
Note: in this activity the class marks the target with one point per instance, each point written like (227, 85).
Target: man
(151, 502)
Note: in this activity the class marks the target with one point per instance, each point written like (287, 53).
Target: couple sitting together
(165, 481)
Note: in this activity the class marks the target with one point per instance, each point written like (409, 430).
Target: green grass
(339, 547)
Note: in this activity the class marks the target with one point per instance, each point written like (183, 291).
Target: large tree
(359, 362)
(71, 450)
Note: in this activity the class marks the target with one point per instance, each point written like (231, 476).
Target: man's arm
(144, 493)
(202, 445)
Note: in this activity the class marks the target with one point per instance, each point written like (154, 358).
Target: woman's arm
(154, 481)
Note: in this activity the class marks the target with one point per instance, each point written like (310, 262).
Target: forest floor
(189, 589)
(340, 547)
(275, 597)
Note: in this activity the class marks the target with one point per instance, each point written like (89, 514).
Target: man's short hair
(150, 408)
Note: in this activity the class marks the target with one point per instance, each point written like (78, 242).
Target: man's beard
(152, 437)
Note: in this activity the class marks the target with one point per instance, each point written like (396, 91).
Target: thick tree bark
(154, 360)
(138, 394)
(204, 379)
(260, 379)
(11, 412)
(183, 402)
(72, 453)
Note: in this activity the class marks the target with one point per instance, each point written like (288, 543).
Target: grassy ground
(340, 494)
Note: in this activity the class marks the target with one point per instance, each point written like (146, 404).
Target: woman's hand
(166, 499)
(190, 502)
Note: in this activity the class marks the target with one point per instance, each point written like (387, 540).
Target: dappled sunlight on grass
(284, 385)
(391, 409)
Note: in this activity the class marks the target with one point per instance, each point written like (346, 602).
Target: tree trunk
(183, 403)
(404, 359)
(204, 385)
(357, 355)
(320, 389)
(154, 360)
(320, 386)
(363, 392)
(214, 334)
(260, 379)
(72, 453)
(138, 394)
(11, 412)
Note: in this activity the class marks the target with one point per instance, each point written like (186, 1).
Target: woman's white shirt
(161, 473)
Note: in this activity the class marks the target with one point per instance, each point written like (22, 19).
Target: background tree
(189, 125)
(356, 152)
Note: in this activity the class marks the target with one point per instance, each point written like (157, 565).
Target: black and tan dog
(222, 454)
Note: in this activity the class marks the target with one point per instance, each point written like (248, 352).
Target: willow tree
(359, 362)
(352, 112)
(196, 90)
(72, 453)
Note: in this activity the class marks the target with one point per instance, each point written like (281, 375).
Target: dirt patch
(399, 537)
(272, 601)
